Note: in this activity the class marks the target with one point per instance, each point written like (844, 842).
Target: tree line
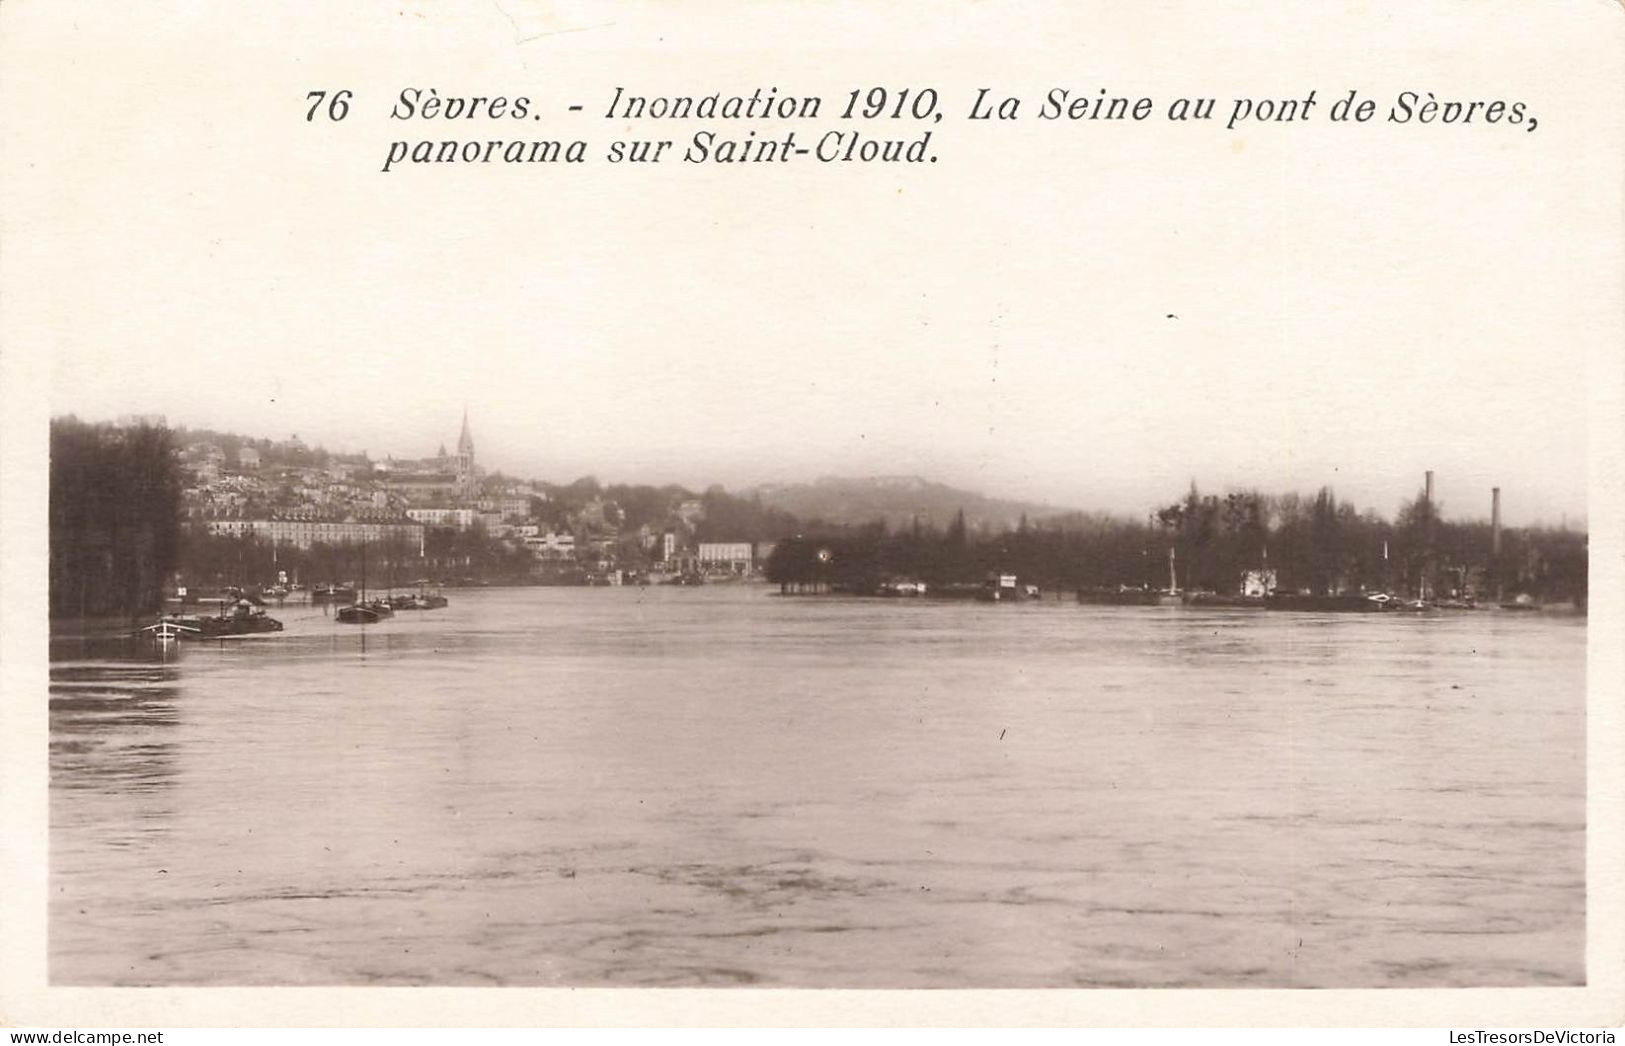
(116, 540)
(1314, 544)
(249, 561)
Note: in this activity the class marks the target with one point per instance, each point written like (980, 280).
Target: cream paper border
(29, 333)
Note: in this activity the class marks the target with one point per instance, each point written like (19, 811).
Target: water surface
(719, 786)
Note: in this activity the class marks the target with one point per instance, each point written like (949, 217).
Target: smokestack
(1428, 510)
(1428, 586)
(1495, 521)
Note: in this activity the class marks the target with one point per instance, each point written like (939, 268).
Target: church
(442, 478)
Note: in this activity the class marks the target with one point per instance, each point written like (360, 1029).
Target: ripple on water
(715, 788)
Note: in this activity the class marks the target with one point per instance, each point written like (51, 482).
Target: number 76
(337, 108)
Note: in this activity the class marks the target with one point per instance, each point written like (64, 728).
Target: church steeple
(465, 459)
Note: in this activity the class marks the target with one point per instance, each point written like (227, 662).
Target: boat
(166, 630)
(1216, 599)
(243, 619)
(1371, 603)
(1137, 596)
(365, 611)
(1126, 596)
(357, 613)
(419, 600)
(332, 594)
(1005, 588)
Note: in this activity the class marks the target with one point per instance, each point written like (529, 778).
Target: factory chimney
(1495, 542)
(1428, 587)
(1495, 521)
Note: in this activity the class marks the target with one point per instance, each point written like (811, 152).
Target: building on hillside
(506, 506)
(303, 528)
(417, 487)
(441, 478)
(732, 557)
(552, 546)
(445, 518)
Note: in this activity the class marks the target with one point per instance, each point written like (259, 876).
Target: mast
(1145, 553)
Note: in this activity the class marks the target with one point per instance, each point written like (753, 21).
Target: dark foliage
(1311, 544)
(114, 518)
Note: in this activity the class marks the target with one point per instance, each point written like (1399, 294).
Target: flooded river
(719, 786)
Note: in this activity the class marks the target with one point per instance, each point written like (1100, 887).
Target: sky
(1086, 315)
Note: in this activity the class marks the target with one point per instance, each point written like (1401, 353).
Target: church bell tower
(465, 459)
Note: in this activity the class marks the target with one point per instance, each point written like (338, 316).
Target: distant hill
(898, 500)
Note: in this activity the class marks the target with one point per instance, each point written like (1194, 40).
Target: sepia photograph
(547, 496)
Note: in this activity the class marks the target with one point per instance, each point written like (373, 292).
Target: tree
(114, 518)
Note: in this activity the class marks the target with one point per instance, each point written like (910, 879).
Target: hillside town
(142, 512)
(443, 512)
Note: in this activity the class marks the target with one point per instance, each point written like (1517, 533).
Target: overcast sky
(1086, 315)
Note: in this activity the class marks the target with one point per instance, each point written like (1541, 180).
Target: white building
(1257, 582)
(452, 518)
(506, 507)
(303, 529)
(732, 556)
(552, 545)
